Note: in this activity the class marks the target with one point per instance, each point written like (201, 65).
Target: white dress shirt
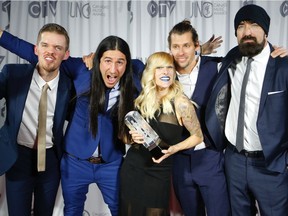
(188, 82)
(252, 100)
(29, 124)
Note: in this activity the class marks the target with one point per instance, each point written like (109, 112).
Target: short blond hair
(53, 27)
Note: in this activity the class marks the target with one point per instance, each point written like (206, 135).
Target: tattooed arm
(186, 115)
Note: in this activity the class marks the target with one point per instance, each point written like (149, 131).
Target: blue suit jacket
(272, 121)
(78, 139)
(15, 80)
(207, 75)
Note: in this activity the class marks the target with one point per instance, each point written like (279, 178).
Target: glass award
(152, 141)
(135, 121)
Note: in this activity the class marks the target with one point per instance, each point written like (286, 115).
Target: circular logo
(34, 9)
(152, 8)
(207, 9)
(284, 8)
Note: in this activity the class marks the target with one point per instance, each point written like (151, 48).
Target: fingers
(217, 42)
(136, 137)
(279, 51)
(218, 39)
(156, 161)
(212, 38)
(275, 47)
(167, 153)
(88, 60)
(159, 160)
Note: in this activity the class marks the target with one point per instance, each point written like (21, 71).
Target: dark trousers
(200, 184)
(26, 186)
(249, 181)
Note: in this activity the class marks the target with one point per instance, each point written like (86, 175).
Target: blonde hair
(147, 102)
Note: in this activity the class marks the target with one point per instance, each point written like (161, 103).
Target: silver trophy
(135, 121)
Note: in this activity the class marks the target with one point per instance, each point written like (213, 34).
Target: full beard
(252, 48)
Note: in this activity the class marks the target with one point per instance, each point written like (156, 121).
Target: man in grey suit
(256, 148)
(21, 86)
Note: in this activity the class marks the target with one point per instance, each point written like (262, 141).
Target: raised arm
(72, 66)
(18, 46)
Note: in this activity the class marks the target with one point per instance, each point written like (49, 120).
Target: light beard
(185, 67)
(252, 48)
(50, 69)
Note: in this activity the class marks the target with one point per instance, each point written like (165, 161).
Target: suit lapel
(61, 101)
(217, 108)
(219, 101)
(22, 86)
(269, 74)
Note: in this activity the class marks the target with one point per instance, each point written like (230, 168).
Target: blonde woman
(145, 181)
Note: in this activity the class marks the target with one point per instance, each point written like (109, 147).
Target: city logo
(284, 8)
(42, 9)
(161, 8)
(38, 9)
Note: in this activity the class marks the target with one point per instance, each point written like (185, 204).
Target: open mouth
(49, 58)
(111, 79)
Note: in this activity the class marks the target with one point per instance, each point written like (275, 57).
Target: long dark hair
(97, 92)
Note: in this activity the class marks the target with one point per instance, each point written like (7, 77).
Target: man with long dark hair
(93, 142)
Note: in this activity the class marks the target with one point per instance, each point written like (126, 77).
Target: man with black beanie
(251, 120)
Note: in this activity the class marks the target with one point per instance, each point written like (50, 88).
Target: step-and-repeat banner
(143, 24)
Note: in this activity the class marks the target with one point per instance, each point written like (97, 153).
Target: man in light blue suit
(258, 170)
(21, 86)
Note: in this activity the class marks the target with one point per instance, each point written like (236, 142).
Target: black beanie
(253, 13)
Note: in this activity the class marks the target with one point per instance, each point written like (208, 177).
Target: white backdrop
(143, 24)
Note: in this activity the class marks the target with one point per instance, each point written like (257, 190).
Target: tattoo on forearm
(189, 118)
